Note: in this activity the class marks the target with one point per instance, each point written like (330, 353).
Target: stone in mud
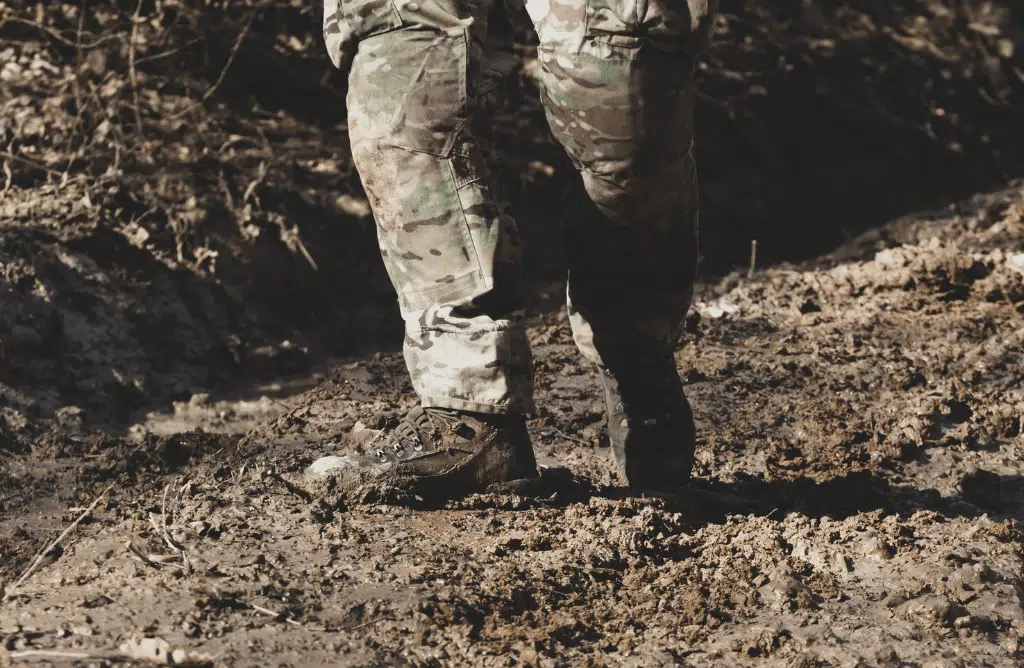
(70, 417)
(322, 467)
(886, 656)
(827, 558)
(786, 592)
(876, 549)
(974, 622)
(933, 611)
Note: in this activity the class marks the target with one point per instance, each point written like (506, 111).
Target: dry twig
(571, 438)
(144, 558)
(556, 430)
(177, 549)
(31, 163)
(297, 491)
(10, 178)
(223, 73)
(77, 87)
(57, 654)
(276, 615)
(4, 499)
(170, 52)
(261, 173)
(132, 73)
(67, 532)
(56, 35)
(290, 238)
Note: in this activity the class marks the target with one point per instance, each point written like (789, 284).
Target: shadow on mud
(705, 502)
(843, 496)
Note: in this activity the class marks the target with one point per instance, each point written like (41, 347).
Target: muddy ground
(869, 410)
(191, 311)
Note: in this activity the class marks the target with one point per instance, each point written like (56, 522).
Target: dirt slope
(869, 411)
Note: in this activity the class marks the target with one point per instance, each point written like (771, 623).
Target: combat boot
(650, 426)
(435, 452)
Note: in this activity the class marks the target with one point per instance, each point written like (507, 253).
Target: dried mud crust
(857, 501)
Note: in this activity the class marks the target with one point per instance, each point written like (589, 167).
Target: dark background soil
(229, 238)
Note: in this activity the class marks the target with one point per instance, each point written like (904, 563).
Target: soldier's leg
(417, 79)
(617, 84)
(616, 80)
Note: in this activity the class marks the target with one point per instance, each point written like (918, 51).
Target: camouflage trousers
(617, 84)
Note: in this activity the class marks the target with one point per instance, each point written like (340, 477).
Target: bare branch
(132, 73)
(223, 73)
(67, 532)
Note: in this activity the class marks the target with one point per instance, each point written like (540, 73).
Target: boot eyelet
(382, 456)
(418, 447)
(399, 450)
(619, 407)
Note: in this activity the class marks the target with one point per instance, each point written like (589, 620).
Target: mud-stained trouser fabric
(616, 81)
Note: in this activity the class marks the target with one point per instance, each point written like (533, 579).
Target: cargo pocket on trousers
(408, 108)
(348, 21)
(434, 107)
(682, 26)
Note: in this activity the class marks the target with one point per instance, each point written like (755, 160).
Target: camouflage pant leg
(450, 246)
(617, 84)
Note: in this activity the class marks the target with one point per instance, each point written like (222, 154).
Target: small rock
(1006, 48)
(354, 206)
(785, 590)
(876, 549)
(973, 622)
(840, 563)
(71, 417)
(985, 573)
(200, 527)
(933, 611)
(324, 466)
(200, 399)
(887, 656)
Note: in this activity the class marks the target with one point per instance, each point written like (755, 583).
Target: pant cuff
(460, 404)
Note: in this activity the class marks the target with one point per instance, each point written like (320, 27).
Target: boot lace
(412, 435)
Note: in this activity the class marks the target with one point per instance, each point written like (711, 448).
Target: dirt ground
(857, 501)
(192, 310)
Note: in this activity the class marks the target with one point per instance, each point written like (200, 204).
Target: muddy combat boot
(435, 452)
(650, 426)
